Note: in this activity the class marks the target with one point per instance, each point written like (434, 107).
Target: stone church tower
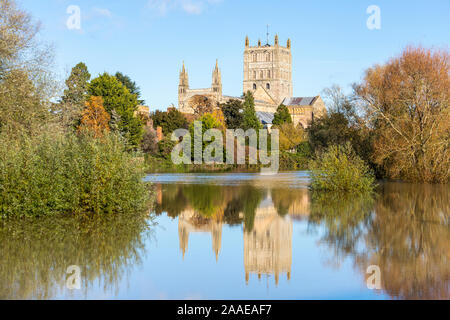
(186, 95)
(268, 71)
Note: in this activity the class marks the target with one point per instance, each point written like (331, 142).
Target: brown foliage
(95, 118)
(201, 105)
(407, 103)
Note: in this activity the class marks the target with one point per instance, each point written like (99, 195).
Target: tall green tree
(130, 85)
(282, 116)
(77, 84)
(75, 95)
(250, 120)
(119, 102)
(232, 110)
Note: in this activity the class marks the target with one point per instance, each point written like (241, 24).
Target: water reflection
(404, 229)
(262, 211)
(35, 253)
(270, 227)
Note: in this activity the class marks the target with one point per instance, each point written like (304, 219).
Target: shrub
(57, 173)
(340, 169)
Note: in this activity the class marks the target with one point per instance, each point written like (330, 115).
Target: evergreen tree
(130, 85)
(75, 95)
(77, 86)
(250, 120)
(118, 99)
(233, 116)
(282, 116)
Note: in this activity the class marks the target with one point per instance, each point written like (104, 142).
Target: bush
(64, 173)
(340, 169)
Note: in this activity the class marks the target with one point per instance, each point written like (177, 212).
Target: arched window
(268, 57)
(254, 74)
(254, 86)
(268, 86)
(268, 74)
(261, 74)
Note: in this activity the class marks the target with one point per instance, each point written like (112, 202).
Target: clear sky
(149, 39)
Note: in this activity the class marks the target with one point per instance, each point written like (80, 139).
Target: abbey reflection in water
(268, 232)
(404, 229)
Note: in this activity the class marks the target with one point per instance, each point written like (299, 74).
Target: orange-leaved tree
(407, 101)
(94, 118)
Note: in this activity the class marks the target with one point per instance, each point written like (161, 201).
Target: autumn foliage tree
(94, 118)
(407, 105)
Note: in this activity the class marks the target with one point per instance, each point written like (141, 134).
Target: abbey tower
(268, 68)
(268, 75)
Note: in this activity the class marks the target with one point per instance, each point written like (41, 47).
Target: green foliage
(234, 118)
(208, 122)
(77, 85)
(169, 121)
(116, 97)
(251, 121)
(130, 85)
(53, 173)
(340, 169)
(165, 147)
(282, 116)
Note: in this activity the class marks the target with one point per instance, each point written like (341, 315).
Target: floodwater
(240, 236)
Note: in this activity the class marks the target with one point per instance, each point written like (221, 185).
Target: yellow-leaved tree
(94, 118)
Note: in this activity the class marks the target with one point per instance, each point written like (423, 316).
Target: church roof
(265, 117)
(299, 101)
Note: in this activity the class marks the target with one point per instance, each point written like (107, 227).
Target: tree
(75, 95)
(406, 102)
(201, 105)
(251, 121)
(77, 84)
(94, 118)
(290, 136)
(169, 121)
(130, 85)
(117, 98)
(282, 116)
(25, 86)
(232, 111)
(149, 143)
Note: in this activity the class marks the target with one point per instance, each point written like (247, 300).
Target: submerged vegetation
(340, 169)
(66, 173)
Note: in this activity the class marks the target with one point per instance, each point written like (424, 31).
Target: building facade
(268, 75)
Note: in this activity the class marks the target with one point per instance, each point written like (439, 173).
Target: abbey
(268, 75)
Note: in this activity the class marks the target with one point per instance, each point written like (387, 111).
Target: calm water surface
(240, 236)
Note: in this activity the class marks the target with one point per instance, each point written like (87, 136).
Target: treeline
(73, 154)
(394, 125)
(397, 119)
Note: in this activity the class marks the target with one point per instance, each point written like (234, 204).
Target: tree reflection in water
(36, 253)
(405, 231)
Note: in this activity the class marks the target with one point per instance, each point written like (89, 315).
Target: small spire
(184, 69)
(289, 43)
(276, 39)
(247, 42)
(259, 42)
(217, 64)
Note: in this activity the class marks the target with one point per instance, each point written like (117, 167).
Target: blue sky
(149, 39)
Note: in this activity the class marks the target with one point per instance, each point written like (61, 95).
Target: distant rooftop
(265, 117)
(299, 101)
